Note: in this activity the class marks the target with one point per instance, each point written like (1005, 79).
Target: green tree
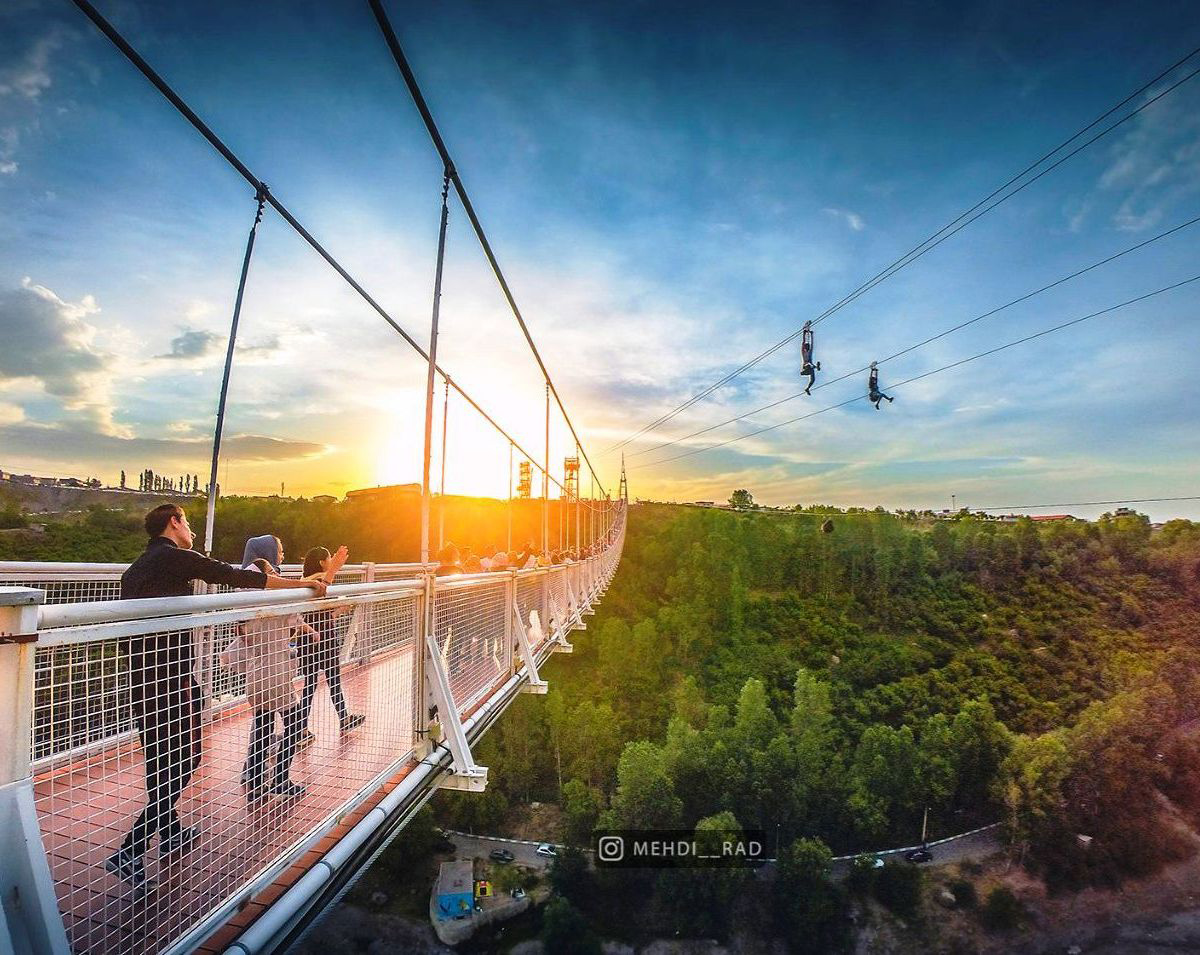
(566, 932)
(581, 807)
(810, 909)
(741, 499)
(645, 796)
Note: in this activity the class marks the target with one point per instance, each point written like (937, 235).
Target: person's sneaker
(182, 841)
(126, 866)
(287, 789)
(353, 721)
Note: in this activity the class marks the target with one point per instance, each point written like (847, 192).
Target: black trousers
(322, 657)
(168, 723)
(294, 718)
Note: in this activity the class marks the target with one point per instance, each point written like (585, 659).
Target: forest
(827, 677)
(750, 669)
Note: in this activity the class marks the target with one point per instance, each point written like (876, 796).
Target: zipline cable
(244, 171)
(937, 237)
(902, 512)
(410, 80)
(931, 339)
(936, 371)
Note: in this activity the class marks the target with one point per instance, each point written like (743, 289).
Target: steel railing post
(29, 918)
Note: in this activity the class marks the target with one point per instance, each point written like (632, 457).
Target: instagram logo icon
(610, 848)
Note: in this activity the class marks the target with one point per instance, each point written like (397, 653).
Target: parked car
(545, 849)
(501, 855)
(518, 893)
(868, 861)
(918, 855)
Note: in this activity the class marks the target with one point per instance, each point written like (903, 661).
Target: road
(976, 846)
(480, 846)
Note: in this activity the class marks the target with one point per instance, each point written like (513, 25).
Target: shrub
(1003, 911)
(898, 886)
(964, 893)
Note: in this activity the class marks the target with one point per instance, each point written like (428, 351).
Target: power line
(900, 512)
(244, 171)
(936, 371)
(934, 240)
(931, 339)
(410, 80)
(1037, 507)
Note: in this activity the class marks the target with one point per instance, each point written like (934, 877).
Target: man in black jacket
(164, 696)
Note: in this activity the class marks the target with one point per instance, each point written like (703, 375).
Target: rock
(379, 899)
(1074, 950)
(946, 898)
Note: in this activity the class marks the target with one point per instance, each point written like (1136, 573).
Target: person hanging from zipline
(873, 393)
(806, 356)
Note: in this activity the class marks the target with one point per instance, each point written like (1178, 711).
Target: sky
(669, 188)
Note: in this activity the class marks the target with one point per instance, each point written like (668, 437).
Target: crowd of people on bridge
(269, 652)
(452, 559)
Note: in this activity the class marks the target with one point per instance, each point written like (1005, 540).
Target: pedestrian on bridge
(262, 653)
(163, 693)
(322, 653)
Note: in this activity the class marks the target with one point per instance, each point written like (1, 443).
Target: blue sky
(670, 189)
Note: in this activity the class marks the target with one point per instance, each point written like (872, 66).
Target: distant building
(324, 499)
(1054, 517)
(705, 503)
(389, 490)
(455, 890)
(1125, 512)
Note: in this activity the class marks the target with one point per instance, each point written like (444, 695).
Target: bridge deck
(85, 810)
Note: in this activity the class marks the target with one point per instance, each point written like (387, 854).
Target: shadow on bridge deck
(86, 807)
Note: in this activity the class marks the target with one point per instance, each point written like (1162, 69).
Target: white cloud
(194, 345)
(10, 413)
(852, 219)
(30, 76)
(49, 341)
(1155, 166)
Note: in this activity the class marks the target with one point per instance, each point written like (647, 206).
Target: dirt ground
(537, 822)
(1160, 913)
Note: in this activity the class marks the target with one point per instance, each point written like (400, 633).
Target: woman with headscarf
(261, 651)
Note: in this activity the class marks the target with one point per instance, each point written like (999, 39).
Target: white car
(545, 849)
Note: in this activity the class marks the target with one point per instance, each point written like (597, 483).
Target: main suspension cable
(410, 80)
(243, 170)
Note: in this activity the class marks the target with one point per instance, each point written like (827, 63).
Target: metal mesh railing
(472, 631)
(531, 595)
(183, 762)
(140, 775)
(84, 583)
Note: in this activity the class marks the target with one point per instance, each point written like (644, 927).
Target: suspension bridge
(429, 662)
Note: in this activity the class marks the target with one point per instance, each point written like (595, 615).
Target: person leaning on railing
(164, 696)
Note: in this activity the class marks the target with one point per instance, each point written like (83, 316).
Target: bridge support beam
(576, 607)
(465, 773)
(31, 923)
(563, 623)
(535, 684)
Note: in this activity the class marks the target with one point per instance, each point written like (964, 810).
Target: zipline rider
(163, 692)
